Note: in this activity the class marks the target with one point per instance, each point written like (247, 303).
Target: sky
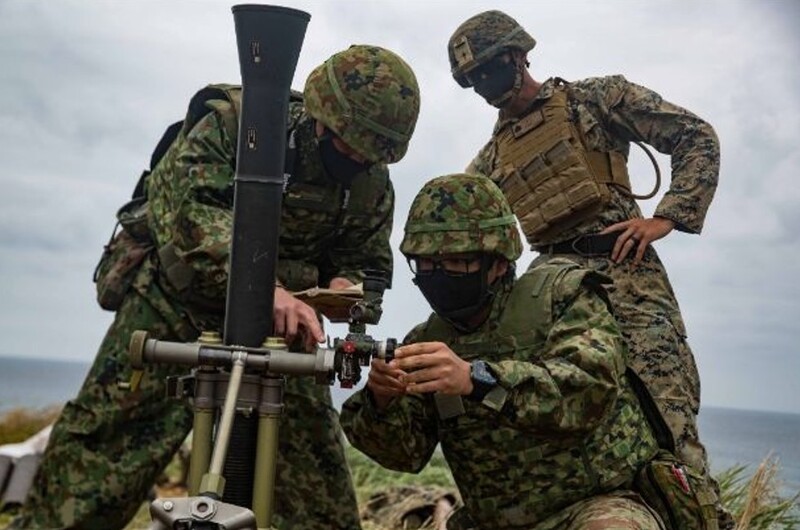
(86, 89)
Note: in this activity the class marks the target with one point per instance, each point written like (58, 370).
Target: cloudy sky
(86, 88)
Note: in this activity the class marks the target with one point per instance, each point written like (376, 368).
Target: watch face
(481, 375)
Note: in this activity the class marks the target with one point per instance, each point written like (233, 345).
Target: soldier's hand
(385, 382)
(432, 367)
(340, 283)
(637, 233)
(293, 317)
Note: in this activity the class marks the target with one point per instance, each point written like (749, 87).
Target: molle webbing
(551, 181)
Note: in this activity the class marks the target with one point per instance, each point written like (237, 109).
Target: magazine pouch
(123, 255)
(682, 497)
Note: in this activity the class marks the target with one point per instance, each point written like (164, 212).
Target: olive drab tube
(269, 39)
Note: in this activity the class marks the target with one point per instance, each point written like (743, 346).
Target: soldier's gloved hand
(291, 316)
(638, 233)
(433, 367)
(385, 382)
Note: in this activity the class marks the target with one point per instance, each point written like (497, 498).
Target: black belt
(587, 245)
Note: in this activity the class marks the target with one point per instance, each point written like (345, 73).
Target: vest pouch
(682, 497)
(558, 187)
(132, 218)
(123, 255)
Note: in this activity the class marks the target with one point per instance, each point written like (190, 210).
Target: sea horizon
(732, 436)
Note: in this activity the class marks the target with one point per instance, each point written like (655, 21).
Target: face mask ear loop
(516, 87)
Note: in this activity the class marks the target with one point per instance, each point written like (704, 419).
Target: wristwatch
(483, 381)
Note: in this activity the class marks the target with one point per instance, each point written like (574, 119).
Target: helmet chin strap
(512, 92)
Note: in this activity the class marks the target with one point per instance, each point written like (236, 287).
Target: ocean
(731, 436)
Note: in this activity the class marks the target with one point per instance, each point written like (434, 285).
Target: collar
(545, 92)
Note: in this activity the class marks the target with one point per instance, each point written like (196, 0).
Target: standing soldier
(358, 114)
(559, 152)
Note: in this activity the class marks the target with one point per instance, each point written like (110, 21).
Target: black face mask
(495, 81)
(339, 167)
(457, 298)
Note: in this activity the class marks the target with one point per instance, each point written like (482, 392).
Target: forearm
(401, 437)
(691, 143)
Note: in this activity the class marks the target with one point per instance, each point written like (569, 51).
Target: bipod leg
(270, 410)
(203, 427)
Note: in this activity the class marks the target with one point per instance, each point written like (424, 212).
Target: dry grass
(17, 425)
(756, 503)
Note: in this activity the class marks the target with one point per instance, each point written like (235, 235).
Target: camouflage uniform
(609, 113)
(109, 444)
(561, 436)
(643, 299)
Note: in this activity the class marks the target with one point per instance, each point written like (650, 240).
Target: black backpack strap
(659, 426)
(158, 153)
(198, 107)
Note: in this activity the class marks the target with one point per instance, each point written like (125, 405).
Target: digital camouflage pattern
(369, 97)
(461, 213)
(611, 112)
(327, 231)
(565, 426)
(482, 37)
(108, 446)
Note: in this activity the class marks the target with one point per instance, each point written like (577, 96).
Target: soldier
(559, 152)
(549, 431)
(359, 112)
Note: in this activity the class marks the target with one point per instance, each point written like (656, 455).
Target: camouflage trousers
(108, 445)
(618, 510)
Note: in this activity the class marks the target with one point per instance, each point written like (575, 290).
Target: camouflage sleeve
(198, 206)
(640, 114)
(483, 163)
(402, 437)
(573, 383)
(364, 245)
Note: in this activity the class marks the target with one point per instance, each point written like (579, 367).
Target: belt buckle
(574, 245)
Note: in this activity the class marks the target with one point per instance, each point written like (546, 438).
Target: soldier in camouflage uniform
(109, 444)
(559, 152)
(521, 381)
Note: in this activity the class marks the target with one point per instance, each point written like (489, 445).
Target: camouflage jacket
(611, 112)
(563, 424)
(326, 231)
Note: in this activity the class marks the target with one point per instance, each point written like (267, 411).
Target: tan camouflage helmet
(461, 213)
(369, 97)
(482, 37)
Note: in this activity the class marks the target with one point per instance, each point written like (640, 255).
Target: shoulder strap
(158, 153)
(661, 431)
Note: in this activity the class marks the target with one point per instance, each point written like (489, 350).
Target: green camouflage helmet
(461, 213)
(369, 97)
(482, 37)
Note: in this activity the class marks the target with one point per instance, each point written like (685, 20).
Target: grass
(20, 424)
(754, 500)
